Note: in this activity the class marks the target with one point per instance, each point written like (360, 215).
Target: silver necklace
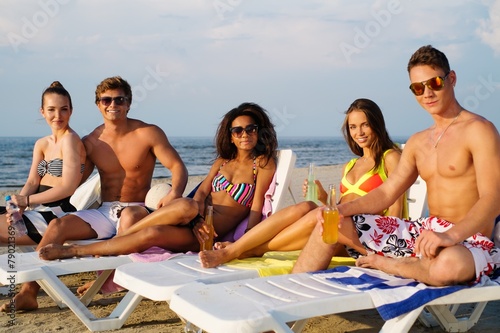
(442, 133)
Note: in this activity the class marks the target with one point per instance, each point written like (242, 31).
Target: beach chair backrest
(416, 197)
(284, 170)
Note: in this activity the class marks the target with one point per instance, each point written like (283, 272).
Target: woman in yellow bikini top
(366, 135)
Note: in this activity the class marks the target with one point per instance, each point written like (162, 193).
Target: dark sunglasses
(238, 130)
(435, 83)
(106, 101)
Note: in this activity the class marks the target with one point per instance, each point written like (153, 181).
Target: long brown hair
(376, 121)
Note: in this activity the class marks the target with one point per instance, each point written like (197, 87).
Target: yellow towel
(280, 262)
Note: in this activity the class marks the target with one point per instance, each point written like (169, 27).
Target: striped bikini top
(53, 167)
(241, 193)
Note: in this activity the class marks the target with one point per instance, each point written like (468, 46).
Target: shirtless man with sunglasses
(455, 157)
(124, 151)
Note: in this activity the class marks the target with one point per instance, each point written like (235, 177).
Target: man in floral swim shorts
(455, 157)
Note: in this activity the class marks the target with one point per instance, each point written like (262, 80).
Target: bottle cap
(7, 198)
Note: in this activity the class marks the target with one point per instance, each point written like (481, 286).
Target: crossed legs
(452, 265)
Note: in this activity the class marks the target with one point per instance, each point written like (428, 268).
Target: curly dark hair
(376, 121)
(111, 83)
(267, 142)
(57, 88)
(428, 55)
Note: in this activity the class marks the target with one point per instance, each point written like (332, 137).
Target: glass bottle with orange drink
(331, 218)
(209, 221)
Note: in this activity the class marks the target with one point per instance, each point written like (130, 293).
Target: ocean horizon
(197, 153)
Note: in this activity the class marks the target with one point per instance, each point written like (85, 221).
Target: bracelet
(28, 200)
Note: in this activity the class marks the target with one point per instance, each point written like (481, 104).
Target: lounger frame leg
(446, 318)
(96, 286)
(58, 291)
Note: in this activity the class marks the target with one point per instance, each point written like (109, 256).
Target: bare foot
(56, 251)
(221, 245)
(214, 258)
(83, 289)
(24, 300)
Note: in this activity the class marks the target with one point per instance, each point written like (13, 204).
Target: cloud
(489, 29)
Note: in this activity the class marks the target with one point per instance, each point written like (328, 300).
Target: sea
(198, 154)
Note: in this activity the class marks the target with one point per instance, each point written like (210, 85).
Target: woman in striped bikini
(56, 170)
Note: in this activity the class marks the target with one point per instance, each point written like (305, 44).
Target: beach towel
(280, 262)
(392, 295)
(153, 254)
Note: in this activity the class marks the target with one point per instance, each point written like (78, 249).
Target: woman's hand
(8, 218)
(21, 201)
(198, 229)
(304, 188)
(322, 195)
(201, 230)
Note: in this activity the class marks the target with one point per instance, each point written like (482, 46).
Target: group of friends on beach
(457, 156)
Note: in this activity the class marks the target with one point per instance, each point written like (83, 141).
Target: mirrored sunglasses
(435, 83)
(238, 130)
(106, 101)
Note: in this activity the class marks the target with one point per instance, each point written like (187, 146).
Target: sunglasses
(435, 83)
(238, 130)
(106, 101)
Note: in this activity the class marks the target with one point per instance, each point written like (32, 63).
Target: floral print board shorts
(395, 237)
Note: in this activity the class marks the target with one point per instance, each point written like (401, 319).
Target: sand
(156, 317)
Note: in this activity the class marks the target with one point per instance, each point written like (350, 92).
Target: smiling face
(56, 111)
(360, 129)
(244, 140)
(114, 110)
(434, 101)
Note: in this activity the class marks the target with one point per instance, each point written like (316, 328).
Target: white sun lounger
(158, 281)
(25, 267)
(28, 267)
(273, 303)
(284, 303)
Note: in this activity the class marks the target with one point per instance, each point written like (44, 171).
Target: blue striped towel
(392, 295)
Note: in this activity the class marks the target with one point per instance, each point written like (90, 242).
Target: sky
(189, 62)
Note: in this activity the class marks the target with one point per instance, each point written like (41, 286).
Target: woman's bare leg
(258, 235)
(172, 238)
(177, 212)
(58, 231)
